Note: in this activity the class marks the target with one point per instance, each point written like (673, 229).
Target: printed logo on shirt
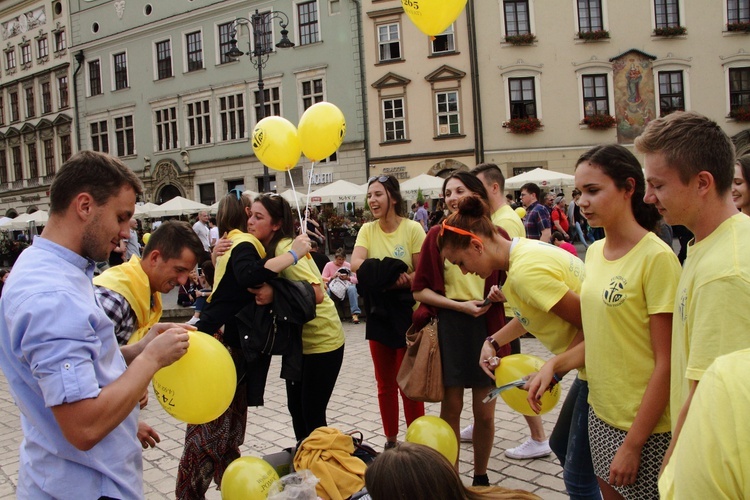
(517, 314)
(614, 295)
(683, 305)
(399, 252)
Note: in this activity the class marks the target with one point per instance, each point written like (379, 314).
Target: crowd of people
(651, 357)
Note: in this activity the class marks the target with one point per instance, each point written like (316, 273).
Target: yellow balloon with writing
(436, 433)
(521, 212)
(433, 17)
(321, 128)
(276, 143)
(198, 387)
(515, 367)
(248, 478)
(146, 237)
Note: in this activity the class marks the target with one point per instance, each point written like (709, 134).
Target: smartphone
(486, 302)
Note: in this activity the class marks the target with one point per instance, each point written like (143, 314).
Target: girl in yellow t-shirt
(627, 302)
(385, 255)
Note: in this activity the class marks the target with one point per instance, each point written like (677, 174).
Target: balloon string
(309, 186)
(303, 227)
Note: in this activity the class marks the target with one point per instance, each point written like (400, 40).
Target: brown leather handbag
(421, 372)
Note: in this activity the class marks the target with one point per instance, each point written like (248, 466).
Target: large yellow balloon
(521, 212)
(432, 17)
(198, 387)
(436, 433)
(322, 128)
(515, 367)
(146, 237)
(276, 143)
(248, 478)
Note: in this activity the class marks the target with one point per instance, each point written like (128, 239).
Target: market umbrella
(544, 178)
(144, 210)
(22, 221)
(431, 186)
(340, 191)
(177, 206)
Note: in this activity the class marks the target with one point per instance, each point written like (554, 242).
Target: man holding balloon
(77, 395)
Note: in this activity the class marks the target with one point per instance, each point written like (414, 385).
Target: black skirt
(461, 338)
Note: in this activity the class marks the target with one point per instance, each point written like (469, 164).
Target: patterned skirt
(605, 440)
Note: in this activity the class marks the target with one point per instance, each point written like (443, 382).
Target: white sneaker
(467, 433)
(529, 449)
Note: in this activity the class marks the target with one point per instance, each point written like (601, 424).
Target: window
(444, 42)
(226, 31)
(99, 136)
(49, 157)
(207, 193)
(10, 59)
(232, 117)
(17, 164)
(42, 47)
(590, 16)
(166, 128)
(671, 92)
(95, 77)
(3, 167)
(394, 124)
(33, 160)
(46, 98)
(124, 135)
(307, 16)
(389, 43)
(595, 95)
(62, 90)
(60, 41)
(312, 92)
(121, 70)
(667, 13)
(26, 55)
(447, 113)
(199, 122)
(739, 88)
(738, 11)
(516, 17)
(163, 59)
(65, 148)
(30, 109)
(271, 103)
(263, 33)
(522, 98)
(194, 51)
(15, 115)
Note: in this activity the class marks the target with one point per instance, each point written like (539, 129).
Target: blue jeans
(570, 442)
(351, 292)
(581, 237)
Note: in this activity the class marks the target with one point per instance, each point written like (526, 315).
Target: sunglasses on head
(457, 230)
(381, 179)
(237, 192)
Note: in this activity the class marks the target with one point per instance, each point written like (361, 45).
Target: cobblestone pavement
(353, 406)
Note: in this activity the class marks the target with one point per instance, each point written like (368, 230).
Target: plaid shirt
(119, 311)
(537, 220)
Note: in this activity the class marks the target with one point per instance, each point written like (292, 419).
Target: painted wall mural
(634, 94)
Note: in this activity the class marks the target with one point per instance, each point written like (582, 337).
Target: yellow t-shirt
(460, 286)
(617, 298)
(711, 459)
(324, 333)
(711, 316)
(539, 276)
(508, 219)
(406, 240)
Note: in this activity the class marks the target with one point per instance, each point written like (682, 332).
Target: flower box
(523, 125)
(593, 35)
(670, 31)
(741, 114)
(526, 39)
(739, 27)
(599, 122)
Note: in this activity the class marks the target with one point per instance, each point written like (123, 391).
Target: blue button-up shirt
(57, 346)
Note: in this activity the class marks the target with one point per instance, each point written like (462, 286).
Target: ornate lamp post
(262, 27)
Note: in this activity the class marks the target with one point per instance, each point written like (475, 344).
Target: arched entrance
(166, 193)
(12, 213)
(446, 167)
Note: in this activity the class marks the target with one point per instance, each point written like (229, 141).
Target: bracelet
(555, 380)
(493, 343)
(294, 256)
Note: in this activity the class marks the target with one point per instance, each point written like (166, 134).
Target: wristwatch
(494, 344)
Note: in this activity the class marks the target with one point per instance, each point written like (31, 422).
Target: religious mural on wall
(634, 94)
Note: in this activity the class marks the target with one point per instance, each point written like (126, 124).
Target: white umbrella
(542, 177)
(144, 210)
(22, 221)
(338, 192)
(431, 186)
(294, 197)
(177, 206)
(4, 221)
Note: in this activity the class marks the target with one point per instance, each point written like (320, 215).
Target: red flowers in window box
(741, 27)
(599, 122)
(593, 35)
(523, 125)
(670, 31)
(525, 39)
(741, 114)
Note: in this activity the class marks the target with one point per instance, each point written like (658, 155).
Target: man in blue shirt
(537, 220)
(78, 393)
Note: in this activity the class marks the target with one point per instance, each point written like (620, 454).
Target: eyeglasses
(457, 230)
(381, 179)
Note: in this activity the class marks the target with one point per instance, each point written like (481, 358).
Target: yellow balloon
(521, 212)
(517, 366)
(276, 143)
(248, 478)
(432, 17)
(436, 433)
(146, 237)
(322, 128)
(198, 387)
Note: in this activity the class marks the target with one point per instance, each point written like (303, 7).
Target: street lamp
(262, 26)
